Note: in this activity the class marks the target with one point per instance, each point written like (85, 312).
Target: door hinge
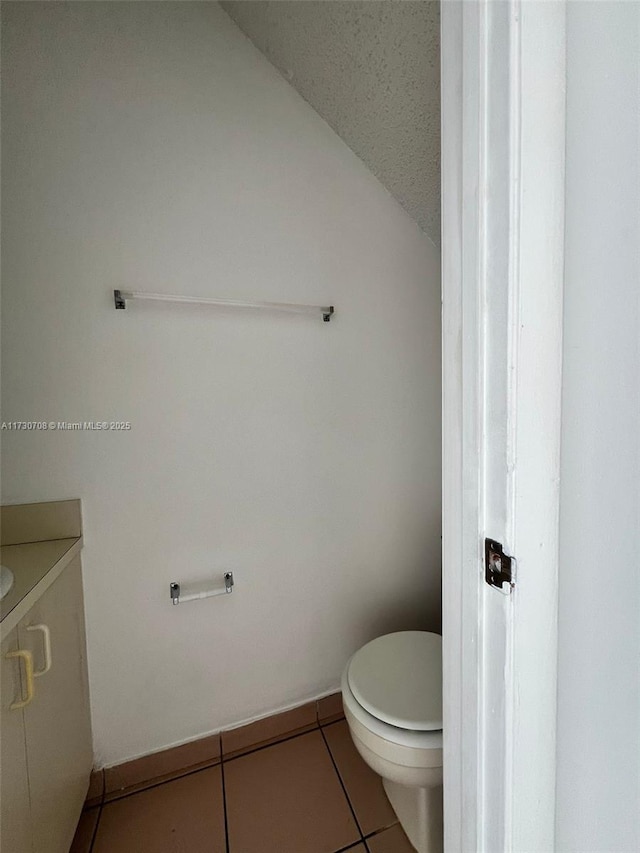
(499, 568)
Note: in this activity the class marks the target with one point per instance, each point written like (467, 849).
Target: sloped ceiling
(371, 69)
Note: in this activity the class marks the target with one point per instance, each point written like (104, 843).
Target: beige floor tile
(363, 786)
(84, 832)
(392, 840)
(287, 798)
(186, 814)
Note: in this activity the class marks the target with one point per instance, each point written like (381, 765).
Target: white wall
(150, 146)
(598, 768)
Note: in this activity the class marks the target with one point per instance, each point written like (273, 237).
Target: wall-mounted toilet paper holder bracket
(178, 598)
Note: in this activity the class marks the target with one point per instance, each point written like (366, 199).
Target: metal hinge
(499, 569)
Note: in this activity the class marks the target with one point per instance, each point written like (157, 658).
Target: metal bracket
(326, 315)
(178, 598)
(119, 299)
(499, 568)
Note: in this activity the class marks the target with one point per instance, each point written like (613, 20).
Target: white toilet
(392, 695)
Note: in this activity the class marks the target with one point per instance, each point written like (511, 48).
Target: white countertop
(35, 565)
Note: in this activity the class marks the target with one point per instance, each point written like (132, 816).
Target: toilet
(392, 696)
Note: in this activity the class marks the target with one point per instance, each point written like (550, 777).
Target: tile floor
(306, 793)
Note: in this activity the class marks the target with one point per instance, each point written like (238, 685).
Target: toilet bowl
(392, 696)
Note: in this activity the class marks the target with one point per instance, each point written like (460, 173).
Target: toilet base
(419, 811)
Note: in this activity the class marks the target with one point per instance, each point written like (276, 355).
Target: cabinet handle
(46, 642)
(28, 669)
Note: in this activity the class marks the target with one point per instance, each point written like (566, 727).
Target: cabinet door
(57, 722)
(15, 818)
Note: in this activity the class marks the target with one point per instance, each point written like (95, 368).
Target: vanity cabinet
(15, 818)
(46, 745)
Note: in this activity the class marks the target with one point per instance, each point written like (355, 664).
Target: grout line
(173, 775)
(125, 796)
(328, 721)
(332, 723)
(335, 767)
(378, 831)
(351, 847)
(94, 835)
(273, 743)
(224, 805)
(95, 830)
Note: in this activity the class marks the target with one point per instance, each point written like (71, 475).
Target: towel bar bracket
(178, 598)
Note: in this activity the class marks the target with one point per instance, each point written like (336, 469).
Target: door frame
(503, 141)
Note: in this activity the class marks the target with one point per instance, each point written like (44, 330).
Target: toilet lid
(398, 679)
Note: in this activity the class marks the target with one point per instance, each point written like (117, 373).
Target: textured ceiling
(371, 69)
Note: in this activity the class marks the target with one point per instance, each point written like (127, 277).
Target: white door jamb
(503, 112)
